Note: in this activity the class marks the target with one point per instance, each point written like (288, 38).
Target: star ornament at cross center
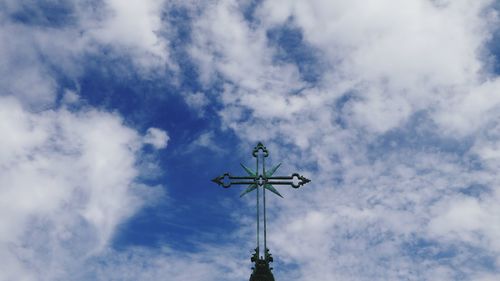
(260, 180)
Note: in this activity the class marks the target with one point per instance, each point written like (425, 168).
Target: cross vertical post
(258, 209)
(254, 181)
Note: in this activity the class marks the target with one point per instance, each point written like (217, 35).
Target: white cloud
(401, 123)
(143, 264)
(197, 101)
(225, 44)
(67, 179)
(205, 140)
(31, 53)
(20, 68)
(156, 137)
(132, 26)
(387, 201)
(394, 63)
(70, 97)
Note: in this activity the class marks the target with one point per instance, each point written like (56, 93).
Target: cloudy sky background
(114, 116)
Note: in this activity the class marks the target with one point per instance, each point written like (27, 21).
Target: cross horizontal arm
(240, 178)
(295, 180)
(226, 180)
(294, 175)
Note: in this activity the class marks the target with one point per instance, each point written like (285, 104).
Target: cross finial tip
(261, 147)
(217, 180)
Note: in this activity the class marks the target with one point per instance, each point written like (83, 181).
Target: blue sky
(115, 115)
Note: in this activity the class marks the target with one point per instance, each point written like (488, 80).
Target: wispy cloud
(378, 210)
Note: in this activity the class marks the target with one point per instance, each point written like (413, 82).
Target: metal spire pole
(264, 198)
(258, 212)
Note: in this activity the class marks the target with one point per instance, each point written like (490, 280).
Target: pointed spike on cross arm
(248, 170)
(249, 189)
(271, 172)
(272, 189)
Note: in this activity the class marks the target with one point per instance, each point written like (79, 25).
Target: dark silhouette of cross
(255, 180)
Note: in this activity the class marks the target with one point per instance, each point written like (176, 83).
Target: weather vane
(255, 180)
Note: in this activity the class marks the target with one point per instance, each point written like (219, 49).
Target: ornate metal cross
(254, 181)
